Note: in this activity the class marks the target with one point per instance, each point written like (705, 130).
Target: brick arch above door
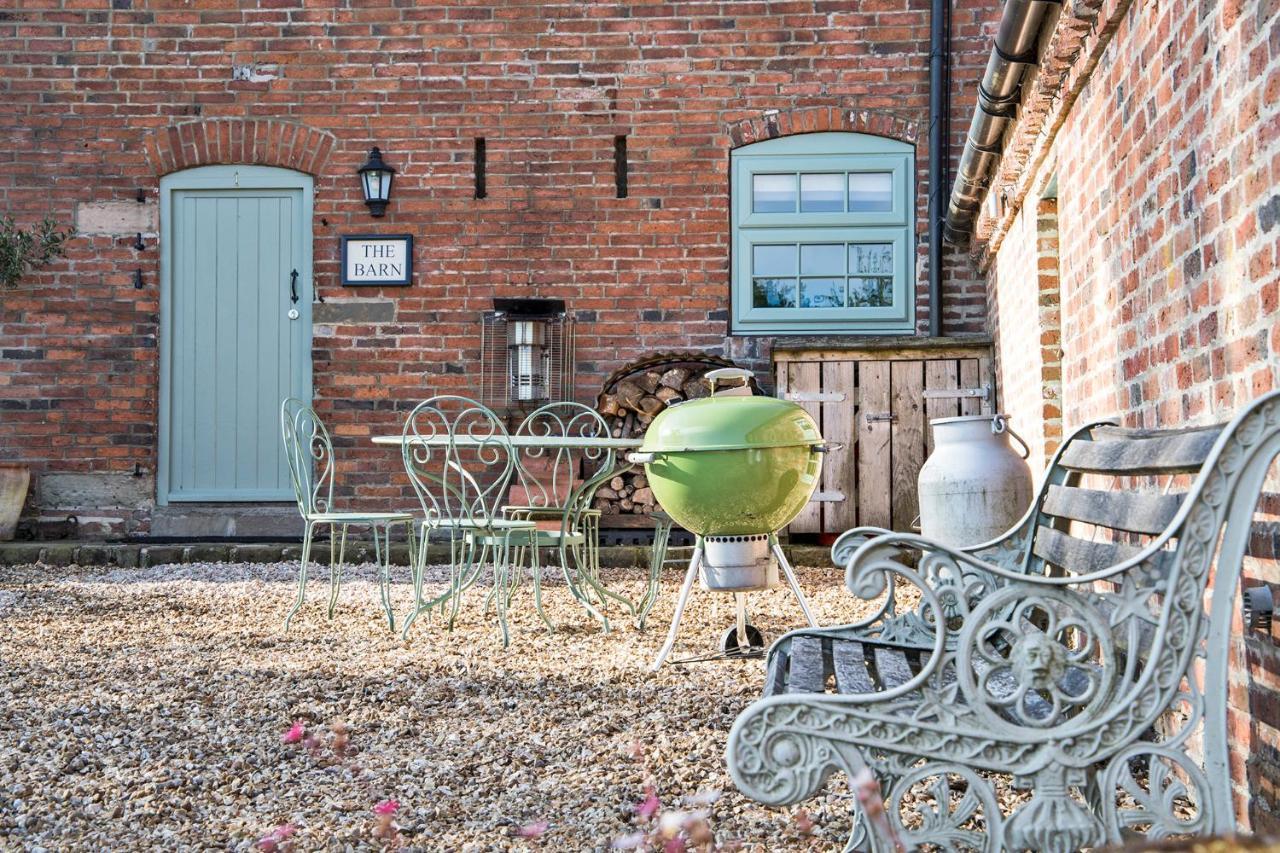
(818, 119)
(257, 142)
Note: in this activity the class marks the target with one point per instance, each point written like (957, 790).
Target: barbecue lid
(730, 423)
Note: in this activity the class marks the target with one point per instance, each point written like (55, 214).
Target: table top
(548, 441)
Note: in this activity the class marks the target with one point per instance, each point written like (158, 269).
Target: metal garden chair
(309, 453)
(558, 482)
(459, 458)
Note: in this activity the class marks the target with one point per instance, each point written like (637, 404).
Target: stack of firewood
(629, 407)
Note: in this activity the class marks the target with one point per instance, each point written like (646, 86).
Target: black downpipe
(939, 98)
(1018, 42)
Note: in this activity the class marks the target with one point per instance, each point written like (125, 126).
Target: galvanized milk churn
(974, 486)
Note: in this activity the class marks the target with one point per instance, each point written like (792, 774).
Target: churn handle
(1000, 423)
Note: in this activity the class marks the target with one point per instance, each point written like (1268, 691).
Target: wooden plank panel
(873, 449)
(970, 378)
(807, 376)
(1178, 452)
(838, 468)
(940, 374)
(1080, 556)
(807, 666)
(907, 444)
(892, 667)
(1131, 511)
(850, 665)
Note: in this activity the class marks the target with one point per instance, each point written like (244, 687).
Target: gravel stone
(144, 707)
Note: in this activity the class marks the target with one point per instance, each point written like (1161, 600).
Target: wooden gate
(876, 399)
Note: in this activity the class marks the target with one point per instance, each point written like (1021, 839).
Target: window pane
(773, 193)
(870, 192)
(822, 293)
(821, 193)
(775, 293)
(822, 259)
(871, 259)
(773, 260)
(867, 292)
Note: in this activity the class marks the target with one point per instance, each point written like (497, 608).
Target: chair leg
(302, 574)
(383, 556)
(572, 578)
(690, 576)
(791, 580)
(658, 557)
(501, 553)
(335, 567)
(537, 585)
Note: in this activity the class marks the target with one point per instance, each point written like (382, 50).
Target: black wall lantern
(375, 179)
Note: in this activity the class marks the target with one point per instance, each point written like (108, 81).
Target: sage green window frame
(811, 153)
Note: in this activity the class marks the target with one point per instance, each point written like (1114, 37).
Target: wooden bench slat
(850, 662)
(776, 679)
(1081, 556)
(892, 667)
(1131, 511)
(808, 670)
(1114, 452)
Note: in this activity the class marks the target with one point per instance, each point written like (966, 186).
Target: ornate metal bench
(1075, 658)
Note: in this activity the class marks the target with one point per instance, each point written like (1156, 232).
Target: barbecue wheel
(729, 644)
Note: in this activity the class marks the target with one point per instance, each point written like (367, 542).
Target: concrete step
(252, 521)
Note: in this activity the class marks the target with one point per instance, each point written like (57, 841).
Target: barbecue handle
(641, 458)
(714, 376)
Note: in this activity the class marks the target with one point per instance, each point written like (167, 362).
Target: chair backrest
(309, 454)
(1109, 492)
(458, 458)
(561, 477)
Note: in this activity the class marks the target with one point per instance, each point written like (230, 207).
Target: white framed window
(822, 235)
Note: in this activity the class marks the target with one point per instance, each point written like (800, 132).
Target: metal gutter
(939, 109)
(1016, 51)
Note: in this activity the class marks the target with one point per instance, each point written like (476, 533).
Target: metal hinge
(874, 417)
(817, 396)
(935, 393)
(828, 497)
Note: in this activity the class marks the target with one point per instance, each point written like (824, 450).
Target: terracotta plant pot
(14, 480)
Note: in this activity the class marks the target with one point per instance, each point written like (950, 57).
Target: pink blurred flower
(275, 840)
(296, 733)
(674, 845)
(387, 807)
(533, 830)
(648, 807)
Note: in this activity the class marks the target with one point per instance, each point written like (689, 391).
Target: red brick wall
(1168, 169)
(98, 100)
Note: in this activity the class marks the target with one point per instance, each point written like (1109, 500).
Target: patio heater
(527, 352)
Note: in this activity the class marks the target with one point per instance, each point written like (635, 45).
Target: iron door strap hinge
(817, 397)
(983, 392)
(880, 417)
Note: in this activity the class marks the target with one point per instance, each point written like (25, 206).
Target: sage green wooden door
(234, 342)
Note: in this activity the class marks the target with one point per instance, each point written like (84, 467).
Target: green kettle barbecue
(733, 469)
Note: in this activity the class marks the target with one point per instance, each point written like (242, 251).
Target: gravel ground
(145, 708)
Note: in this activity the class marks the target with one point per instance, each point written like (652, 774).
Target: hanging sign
(377, 259)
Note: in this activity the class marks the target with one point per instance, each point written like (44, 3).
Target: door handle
(293, 287)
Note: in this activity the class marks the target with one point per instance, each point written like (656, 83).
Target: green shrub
(22, 250)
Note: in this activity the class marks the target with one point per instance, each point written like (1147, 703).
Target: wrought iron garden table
(583, 575)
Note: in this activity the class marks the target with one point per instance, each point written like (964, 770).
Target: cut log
(696, 389)
(626, 505)
(639, 480)
(650, 405)
(608, 405)
(629, 394)
(649, 380)
(667, 395)
(676, 377)
(642, 496)
(617, 483)
(606, 493)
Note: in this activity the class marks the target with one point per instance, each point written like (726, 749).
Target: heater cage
(527, 353)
